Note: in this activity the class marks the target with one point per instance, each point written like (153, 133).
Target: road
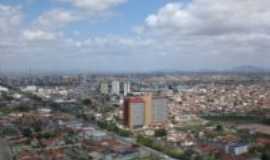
(5, 153)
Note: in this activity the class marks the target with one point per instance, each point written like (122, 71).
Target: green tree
(144, 140)
(219, 128)
(9, 131)
(265, 155)
(87, 102)
(160, 133)
(27, 132)
(175, 153)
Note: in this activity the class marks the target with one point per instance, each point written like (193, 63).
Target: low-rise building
(237, 148)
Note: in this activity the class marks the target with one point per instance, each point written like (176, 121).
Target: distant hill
(249, 69)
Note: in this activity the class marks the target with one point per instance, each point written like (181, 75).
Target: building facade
(126, 88)
(115, 87)
(145, 110)
(104, 88)
(148, 109)
(134, 112)
(159, 110)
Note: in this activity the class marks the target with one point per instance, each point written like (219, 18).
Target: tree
(6, 97)
(265, 156)
(48, 135)
(161, 133)
(23, 108)
(37, 126)
(211, 158)
(175, 153)
(124, 133)
(27, 132)
(219, 128)
(87, 102)
(8, 131)
(145, 141)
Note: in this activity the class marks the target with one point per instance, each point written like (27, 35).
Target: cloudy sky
(133, 35)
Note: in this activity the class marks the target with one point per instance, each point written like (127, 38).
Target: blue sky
(125, 16)
(132, 35)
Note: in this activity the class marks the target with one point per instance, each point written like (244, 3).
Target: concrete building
(144, 111)
(104, 88)
(3, 89)
(159, 110)
(126, 88)
(237, 149)
(99, 135)
(115, 87)
(30, 89)
(134, 112)
(148, 109)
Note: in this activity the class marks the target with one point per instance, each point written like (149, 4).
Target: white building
(115, 87)
(237, 149)
(126, 88)
(104, 88)
(30, 89)
(99, 135)
(3, 89)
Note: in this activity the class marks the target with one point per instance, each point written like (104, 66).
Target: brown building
(144, 111)
(148, 109)
(134, 112)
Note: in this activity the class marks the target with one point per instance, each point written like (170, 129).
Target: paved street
(4, 151)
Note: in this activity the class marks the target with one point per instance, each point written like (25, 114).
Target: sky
(133, 35)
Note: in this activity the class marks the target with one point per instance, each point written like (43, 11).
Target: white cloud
(224, 26)
(193, 35)
(10, 19)
(112, 42)
(212, 17)
(80, 10)
(55, 19)
(95, 5)
(36, 35)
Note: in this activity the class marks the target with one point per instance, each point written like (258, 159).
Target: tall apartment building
(115, 87)
(126, 88)
(145, 110)
(159, 110)
(134, 112)
(104, 88)
(148, 109)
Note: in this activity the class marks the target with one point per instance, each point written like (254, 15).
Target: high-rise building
(159, 110)
(115, 87)
(126, 88)
(148, 109)
(104, 88)
(145, 110)
(134, 112)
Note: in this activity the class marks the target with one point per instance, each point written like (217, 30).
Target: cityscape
(152, 116)
(134, 80)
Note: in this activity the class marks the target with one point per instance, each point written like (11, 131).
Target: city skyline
(132, 35)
